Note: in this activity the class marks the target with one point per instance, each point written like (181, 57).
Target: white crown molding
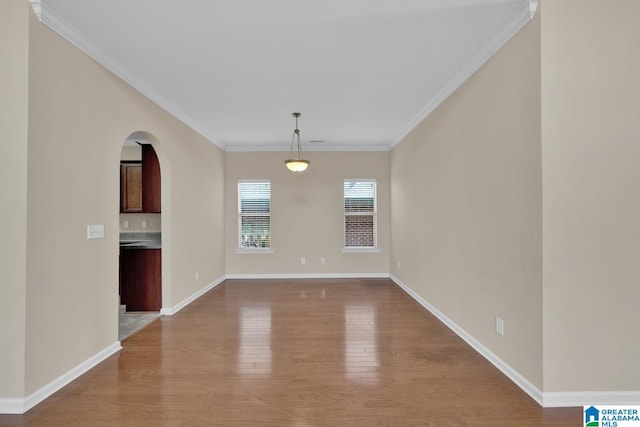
(70, 33)
(534, 392)
(20, 406)
(533, 6)
(309, 148)
(36, 5)
(469, 69)
(78, 39)
(170, 311)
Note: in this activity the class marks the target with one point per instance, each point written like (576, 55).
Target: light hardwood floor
(297, 353)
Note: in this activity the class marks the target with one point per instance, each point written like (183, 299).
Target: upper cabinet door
(130, 187)
(150, 180)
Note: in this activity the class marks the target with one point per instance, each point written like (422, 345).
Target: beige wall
(307, 213)
(466, 206)
(79, 117)
(462, 194)
(131, 153)
(591, 178)
(14, 65)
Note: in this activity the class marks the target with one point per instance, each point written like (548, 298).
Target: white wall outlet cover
(95, 231)
(144, 223)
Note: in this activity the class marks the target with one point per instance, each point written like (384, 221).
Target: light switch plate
(95, 231)
(499, 326)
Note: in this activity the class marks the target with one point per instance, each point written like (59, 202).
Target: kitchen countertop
(140, 240)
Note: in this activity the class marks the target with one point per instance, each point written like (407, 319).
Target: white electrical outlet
(398, 264)
(322, 260)
(197, 274)
(95, 231)
(499, 326)
(303, 261)
(126, 224)
(144, 223)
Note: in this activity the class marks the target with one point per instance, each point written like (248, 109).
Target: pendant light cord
(296, 133)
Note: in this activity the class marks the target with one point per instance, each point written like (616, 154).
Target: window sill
(254, 251)
(360, 250)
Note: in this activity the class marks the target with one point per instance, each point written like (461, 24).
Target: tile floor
(131, 322)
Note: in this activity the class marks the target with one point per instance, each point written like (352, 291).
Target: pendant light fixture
(296, 164)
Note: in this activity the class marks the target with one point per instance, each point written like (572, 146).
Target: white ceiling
(363, 73)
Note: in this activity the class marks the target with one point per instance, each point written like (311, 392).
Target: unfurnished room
(337, 213)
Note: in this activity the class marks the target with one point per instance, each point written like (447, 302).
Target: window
(254, 214)
(360, 214)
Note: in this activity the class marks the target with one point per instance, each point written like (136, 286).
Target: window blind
(254, 214)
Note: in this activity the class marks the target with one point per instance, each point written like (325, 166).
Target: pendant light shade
(296, 163)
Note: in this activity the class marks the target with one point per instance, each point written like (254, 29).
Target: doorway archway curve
(145, 137)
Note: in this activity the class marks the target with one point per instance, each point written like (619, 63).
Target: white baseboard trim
(534, 392)
(311, 276)
(585, 398)
(544, 399)
(20, 406)
(12, 406)
(170, 311)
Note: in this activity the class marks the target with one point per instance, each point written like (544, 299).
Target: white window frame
(374, 214)
(255, 250)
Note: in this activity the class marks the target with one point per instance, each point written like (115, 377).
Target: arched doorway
(140, 249)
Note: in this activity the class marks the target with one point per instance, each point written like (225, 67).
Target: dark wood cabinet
(140, 183)
(150, 180)
(141, 279)
(130, 187)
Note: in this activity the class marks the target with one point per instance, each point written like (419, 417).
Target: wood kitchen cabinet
(150, 180)
(140, 183)
(130, 187)
(141, 279)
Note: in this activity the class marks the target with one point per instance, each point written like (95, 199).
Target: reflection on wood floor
(296, 353)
